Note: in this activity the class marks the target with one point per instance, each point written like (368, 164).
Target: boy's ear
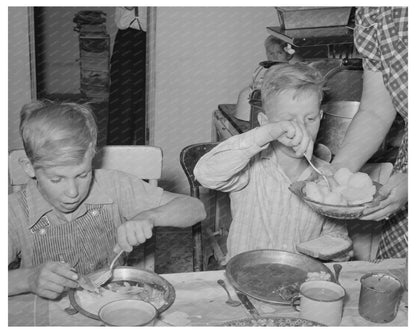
(27, 166)
(321, 114)
(262, 118)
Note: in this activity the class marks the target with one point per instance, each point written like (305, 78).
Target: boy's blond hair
(57, 134)
(299, 77)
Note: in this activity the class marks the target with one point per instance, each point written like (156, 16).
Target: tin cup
(380, 296)
(128, 312)
(320, 301)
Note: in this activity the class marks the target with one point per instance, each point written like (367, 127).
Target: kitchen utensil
(229, 301)
(272, 276)
(380, 296)
(318, 171)
(320, 301)
(337, 269)
(104, 277)
(86, 283)
(128, 312)
(248, 305)
(154, 284)
(351, 212)
(83, 281)
(271, 321)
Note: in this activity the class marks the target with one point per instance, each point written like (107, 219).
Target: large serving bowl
(349, 212)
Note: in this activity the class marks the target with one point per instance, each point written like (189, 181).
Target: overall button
(95, 212)
(42, 232)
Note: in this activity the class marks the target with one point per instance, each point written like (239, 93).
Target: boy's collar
(36, 203)
(38, 206)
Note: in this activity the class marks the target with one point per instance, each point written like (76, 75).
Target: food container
(128, 312)
(380, 297)
(336, 119)
(312, 17)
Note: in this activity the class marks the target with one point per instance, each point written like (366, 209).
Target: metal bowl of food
(126, 283)
(272, 321)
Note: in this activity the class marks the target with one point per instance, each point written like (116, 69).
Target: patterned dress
(381, 36)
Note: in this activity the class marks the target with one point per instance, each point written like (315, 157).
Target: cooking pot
(335, 121)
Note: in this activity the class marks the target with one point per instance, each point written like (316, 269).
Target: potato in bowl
(350, 194)
(347, 189)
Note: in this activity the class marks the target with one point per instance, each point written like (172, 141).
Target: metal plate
(260, 273)
(127, 274)
(351, 212)
(272, 321)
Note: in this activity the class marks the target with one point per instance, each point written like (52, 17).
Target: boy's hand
(133, 232)
(50, 279)
(289, 133)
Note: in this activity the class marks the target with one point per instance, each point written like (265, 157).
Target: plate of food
(274, 276)
(350, 194)
(127, 283)
(272, 321)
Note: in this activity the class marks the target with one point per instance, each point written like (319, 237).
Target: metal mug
(380, 296)
(128, 312)
(320, 301)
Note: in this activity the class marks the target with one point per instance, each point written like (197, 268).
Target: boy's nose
(72, 189)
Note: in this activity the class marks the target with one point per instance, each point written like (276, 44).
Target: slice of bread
(325, 247)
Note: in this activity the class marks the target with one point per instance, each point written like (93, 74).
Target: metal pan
(272, 276)
(82, 302)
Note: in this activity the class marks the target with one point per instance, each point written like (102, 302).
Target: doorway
(69, 69)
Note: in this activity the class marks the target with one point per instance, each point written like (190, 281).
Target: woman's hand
(396, 190)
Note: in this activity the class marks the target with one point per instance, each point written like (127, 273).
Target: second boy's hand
(289, 133)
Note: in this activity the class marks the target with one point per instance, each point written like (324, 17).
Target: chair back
(144, 162)
(189, 156)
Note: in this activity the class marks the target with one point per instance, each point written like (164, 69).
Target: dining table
(200, 301)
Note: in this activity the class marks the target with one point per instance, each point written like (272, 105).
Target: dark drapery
(126, 117)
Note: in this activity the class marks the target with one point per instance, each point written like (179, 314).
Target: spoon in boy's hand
(318, 171)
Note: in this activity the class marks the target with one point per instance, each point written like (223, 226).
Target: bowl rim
(155, 311)
(361, 205)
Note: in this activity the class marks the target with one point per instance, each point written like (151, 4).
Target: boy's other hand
(133, 233)
(50, 279)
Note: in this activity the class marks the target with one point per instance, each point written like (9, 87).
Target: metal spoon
(337, 269)
(229, 301)
(318, 171)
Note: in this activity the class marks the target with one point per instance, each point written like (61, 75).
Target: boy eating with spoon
(258, 166)
(71, 217)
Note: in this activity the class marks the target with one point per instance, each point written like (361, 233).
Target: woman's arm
(369, 126)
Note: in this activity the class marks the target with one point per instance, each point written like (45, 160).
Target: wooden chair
(189, 156)
(144, 162)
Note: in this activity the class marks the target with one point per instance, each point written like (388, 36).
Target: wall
(204, 57)
(19, 71)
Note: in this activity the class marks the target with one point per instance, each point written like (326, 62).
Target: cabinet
(225, 125)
